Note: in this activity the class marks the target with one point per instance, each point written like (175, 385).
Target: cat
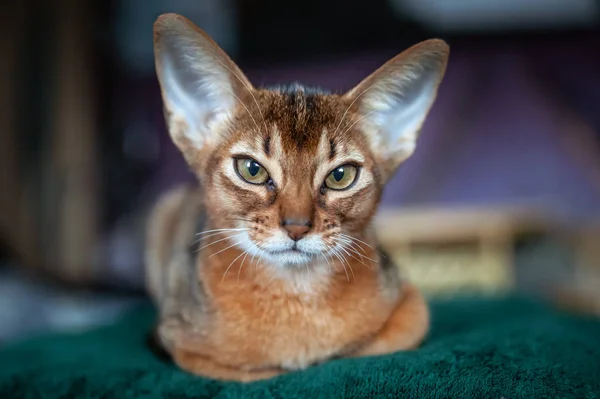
(270, 264)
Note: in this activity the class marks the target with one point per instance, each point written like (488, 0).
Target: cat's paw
(170, 332)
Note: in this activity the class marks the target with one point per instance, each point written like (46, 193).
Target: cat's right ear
(200, 84)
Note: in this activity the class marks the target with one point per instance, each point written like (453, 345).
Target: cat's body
(273, 265)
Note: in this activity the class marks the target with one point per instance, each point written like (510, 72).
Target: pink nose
(296, 229)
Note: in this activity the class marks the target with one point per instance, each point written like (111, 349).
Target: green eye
(251, 171)
(341, 177)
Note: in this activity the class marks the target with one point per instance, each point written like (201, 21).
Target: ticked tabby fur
(273, 266)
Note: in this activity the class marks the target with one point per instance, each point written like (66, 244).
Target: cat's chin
(291, 258)
(285, 253)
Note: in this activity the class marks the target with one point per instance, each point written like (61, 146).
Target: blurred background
(503, 193)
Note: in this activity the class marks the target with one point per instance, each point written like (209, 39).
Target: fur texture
(272, 266)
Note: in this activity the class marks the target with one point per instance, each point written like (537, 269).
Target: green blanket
(504, 348)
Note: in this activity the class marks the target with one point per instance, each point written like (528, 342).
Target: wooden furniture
(460, 250)
(583, 293)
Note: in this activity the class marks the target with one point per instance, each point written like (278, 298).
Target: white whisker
(249, 91)
(210, 235)
(224, 249)
(256, 251)
(352, 256)
(336, 254)
(356, 239)
(231, 264)
(350, 106)
(243, 260)
(356, 121)
(211, 231)
(347, 262)
(219, 240)
(247, 110)
(352, 246)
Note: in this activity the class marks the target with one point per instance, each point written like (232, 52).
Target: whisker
(219, 240)
(210, 235)
(354, 257)
(249, 91)
(350, 106)
(335, 253)
(211, 231)
(231, 264)
(247, 110)
(347, 262)
(361, 257)
(356, 239)
(243, 260)
(356, 121)
(240, 219)
(257, 250)
(347, 241)
(352, 246)
(260, 258)
(224, 249)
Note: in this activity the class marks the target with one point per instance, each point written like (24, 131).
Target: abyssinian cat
(271, 264)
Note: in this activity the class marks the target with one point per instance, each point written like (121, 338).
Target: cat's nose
(296, 228)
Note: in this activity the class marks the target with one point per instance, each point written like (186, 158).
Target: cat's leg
(202, 366)
(191, 352)
(405, 329)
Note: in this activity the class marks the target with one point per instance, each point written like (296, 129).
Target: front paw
(169, 332)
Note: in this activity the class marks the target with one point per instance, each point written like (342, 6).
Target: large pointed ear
(200, 84)
(393, 101)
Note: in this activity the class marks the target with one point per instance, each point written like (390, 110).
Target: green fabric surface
(504, 348)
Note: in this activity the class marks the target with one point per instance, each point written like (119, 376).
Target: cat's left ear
(393, 102)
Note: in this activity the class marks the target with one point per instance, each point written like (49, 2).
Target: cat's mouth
(293, 250)
(292, 255)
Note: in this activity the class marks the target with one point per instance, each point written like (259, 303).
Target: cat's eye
(251, 171)
(341, 177)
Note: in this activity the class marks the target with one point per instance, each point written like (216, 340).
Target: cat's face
(297, 172)
(288, 174)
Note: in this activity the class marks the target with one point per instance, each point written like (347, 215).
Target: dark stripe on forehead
(301, 114)
(267, 145)
(331, 149)
(310, 103)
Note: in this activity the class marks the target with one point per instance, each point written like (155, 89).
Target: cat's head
(298, 171)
